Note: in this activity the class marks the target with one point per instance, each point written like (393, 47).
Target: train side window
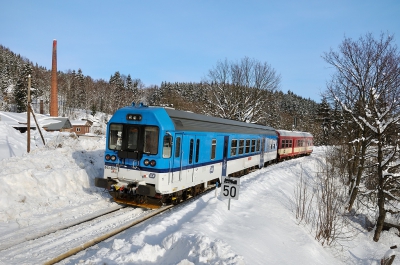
(191, 151)
(241, 146)
(247, 146)
(253, 145)
(178, 146)
(258, 145)
(290, 143)
(197, 150)
(167, 146)
(213, 148)
(233, 147)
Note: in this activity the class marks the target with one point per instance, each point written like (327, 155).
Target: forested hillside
(250, 91)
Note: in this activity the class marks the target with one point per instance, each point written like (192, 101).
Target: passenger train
(157, 155)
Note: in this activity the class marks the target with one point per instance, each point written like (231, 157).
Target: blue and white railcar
(159, 155)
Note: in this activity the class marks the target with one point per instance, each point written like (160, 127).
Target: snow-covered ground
(54, 184)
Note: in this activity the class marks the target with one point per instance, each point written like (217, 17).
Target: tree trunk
(360, 170)
(381, 193)
(381, 216)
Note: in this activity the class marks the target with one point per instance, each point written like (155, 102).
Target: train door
(225, 156)
(177, 160)
(188, 157)
(262, 152)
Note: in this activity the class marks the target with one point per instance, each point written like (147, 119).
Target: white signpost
(230, 189)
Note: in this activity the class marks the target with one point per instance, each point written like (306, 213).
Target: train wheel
(185, 195)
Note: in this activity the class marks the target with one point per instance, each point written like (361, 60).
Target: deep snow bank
(49, 179)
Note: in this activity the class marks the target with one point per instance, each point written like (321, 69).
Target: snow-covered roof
(16, 120)
(19, 120)
(79, 122)
(294, 133)
(57, 123)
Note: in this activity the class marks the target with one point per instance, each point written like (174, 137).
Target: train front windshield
(133, 138)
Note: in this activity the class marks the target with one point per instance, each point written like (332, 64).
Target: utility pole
(28, 119)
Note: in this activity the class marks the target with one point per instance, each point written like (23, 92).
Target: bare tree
(237, 89)
(367, 87)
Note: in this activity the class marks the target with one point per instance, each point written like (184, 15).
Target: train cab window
(233, 147)
(191, 151)
(133, 133)
(115, 137)
(167, 146)
(247, 146)
(241, 146)
(197, 150)
(150, 140)
(253, 145)
(213, 148)
(178, 146)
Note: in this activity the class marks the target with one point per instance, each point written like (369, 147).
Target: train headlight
(146, 162)
(108, 157)
(153, 163)
(113, 158)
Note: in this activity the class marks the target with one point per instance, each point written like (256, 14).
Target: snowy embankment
(53, 185)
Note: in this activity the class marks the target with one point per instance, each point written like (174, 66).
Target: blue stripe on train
(166, 170)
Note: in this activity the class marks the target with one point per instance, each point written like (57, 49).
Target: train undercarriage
(146, 197)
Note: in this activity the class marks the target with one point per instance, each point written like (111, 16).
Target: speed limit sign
(230, 187)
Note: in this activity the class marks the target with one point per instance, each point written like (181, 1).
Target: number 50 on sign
(230, 187)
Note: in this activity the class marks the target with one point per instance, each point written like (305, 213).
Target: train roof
(189, 121)
(293, 133)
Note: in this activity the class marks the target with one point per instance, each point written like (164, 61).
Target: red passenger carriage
(293, 144)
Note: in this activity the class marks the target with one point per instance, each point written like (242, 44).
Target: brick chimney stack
(54, 92)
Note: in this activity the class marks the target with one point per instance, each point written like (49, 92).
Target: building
(58, 124)
(81, 127)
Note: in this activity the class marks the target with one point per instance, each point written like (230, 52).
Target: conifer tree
(21, 89)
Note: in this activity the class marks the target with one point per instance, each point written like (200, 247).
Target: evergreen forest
(246, 102)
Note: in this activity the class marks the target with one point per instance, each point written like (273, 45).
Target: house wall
(80, 129)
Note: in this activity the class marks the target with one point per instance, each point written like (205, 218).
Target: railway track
(53, 247)
(54, 244)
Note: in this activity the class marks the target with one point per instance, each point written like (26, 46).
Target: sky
(181, 41)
